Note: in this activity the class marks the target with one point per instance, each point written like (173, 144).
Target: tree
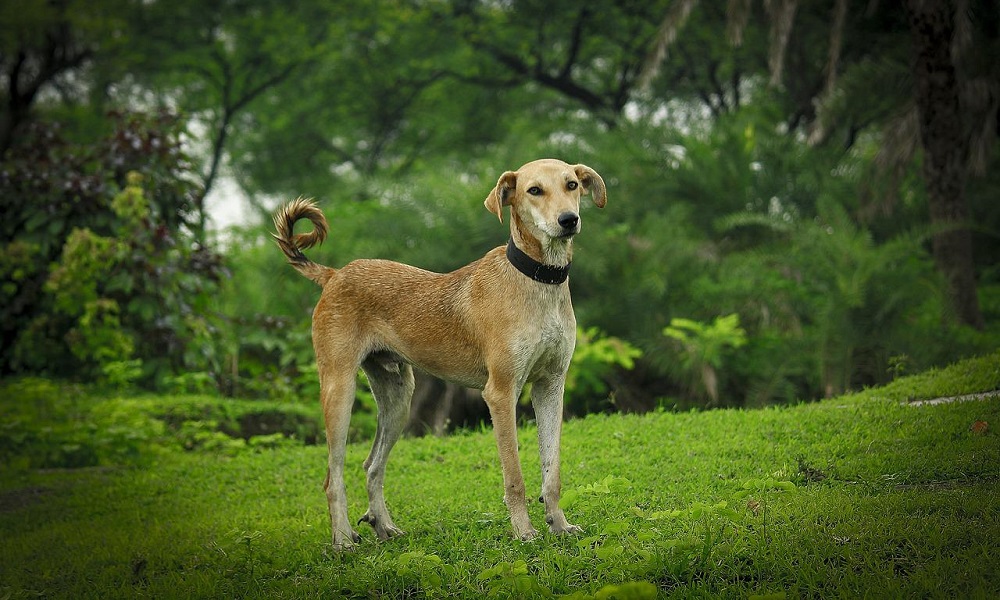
(216, 59)
(937, 92)
(767, 125)
(41, 44)
(945, 139)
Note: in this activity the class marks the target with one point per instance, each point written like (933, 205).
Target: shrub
(52, 425)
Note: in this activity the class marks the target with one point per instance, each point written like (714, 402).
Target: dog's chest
(549, 348)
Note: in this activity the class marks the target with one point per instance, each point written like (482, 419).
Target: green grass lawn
(859, 496)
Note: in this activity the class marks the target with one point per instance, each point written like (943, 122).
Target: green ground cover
(858, 496)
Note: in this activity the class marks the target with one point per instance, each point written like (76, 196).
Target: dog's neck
(556, 252)
(534, 269)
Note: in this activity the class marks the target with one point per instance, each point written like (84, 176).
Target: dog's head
(544, 196)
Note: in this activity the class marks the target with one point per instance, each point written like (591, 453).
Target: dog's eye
(572, 185)
(535, 190)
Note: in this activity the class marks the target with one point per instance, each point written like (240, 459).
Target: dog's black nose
(568, 220)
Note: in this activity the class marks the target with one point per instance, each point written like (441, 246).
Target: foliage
(858, 495)
(783, 253)
(426, 569)
(126, 282)
(50, 425)
(704, 347)
(46, 425)
(596, 359)
(43, 48)
(786, 192)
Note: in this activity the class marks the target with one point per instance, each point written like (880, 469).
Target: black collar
(532, 268)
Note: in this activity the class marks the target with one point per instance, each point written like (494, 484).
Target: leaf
(645, 536)
(664, 514)
(728, 513)
(617, 527)
(609, 551)
(35, 221)
(568, 498)
(490, 573)
(633, 590)
(55, 227)
(788, 486)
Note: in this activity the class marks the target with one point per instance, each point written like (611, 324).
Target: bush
(50, 425)
(102, 267)
(53, 425)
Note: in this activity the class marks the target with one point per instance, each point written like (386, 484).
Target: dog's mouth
(559, 231)
(566, 233)
(555, 232)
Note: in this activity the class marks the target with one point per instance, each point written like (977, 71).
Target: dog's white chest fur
(547, 350)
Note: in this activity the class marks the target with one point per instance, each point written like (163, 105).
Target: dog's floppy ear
(499, 196)
(593, 183)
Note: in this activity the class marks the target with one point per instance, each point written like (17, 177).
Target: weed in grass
(633, 590)
(246, 540)
(699, 532)
(512, 580)
(757, 493)
(427, 572)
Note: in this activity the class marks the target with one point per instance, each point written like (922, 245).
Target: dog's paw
(562, 526)
(345, 542)
(384, 528)
(521, 524)
(569, 529)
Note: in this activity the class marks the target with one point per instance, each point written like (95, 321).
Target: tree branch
(566, 86)
(56, 58)
(575, 42)
(230, 107)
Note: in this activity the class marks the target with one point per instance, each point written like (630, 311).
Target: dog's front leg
(502, 401)
(547, 399)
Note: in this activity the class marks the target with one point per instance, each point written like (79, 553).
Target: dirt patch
(15, 500)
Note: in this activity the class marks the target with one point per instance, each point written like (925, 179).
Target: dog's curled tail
(292, 243)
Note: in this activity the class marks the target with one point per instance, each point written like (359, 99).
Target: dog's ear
(499, 196)
(593, 183)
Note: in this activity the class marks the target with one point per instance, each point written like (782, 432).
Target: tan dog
(496, 324)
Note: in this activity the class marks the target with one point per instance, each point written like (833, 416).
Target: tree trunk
(945, 144)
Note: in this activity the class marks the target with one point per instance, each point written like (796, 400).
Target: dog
(497, 324)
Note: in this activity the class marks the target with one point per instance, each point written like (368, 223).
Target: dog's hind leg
(392, 385)
(337, 391)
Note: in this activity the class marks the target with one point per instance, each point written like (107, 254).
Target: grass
(864, 495)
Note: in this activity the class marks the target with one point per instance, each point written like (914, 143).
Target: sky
(227, 205)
